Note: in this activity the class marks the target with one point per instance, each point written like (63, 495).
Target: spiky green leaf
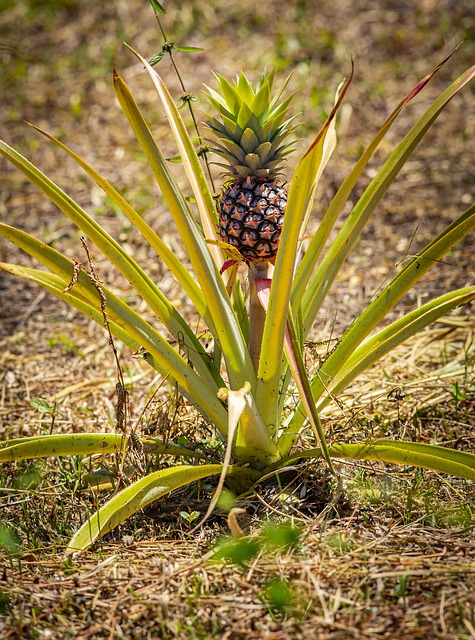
(134, 498)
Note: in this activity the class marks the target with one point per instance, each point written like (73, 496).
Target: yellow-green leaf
(134, 498)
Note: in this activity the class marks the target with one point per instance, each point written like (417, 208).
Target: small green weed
(69, 345)
(273, 538)
(8, 540)
(279, 595)
(189, 516)
(339, 542)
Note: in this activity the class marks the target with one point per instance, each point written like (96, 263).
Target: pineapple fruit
(251, 132)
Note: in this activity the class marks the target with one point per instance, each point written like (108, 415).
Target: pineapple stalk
(257, 314)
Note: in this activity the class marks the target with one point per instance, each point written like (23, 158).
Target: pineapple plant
(251, 133)
(247, 389)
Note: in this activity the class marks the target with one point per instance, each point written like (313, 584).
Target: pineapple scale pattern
(251, 216)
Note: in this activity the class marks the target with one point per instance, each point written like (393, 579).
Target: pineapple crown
(252, 126)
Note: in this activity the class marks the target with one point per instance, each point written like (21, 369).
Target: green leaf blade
(370, 317)
(219, 314)
(301, 194)
(184, 48)
(436, 458)
(156, 6)
(134, 498)
(176, 267)
(117, 255)
(416, 454)
(326, 273)
(59, 445)
(46, 446)
(322, 234)
(85, 291)
(386, 340)
(134, 331)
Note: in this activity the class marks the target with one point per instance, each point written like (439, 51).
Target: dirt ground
(396, 557)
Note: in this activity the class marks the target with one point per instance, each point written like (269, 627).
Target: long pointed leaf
(134, 331)
(144, 286)
(82, 444)
(390, 295)
(370, 317)
(374, 348)
(415, 454)
(134, 498)
(330, 265)
(322, 234)
(146, 490)
(302, 190)
(191, 163)
(176, 267)
(63, 267)
(227, 330)
(295, 359)
(191, 236)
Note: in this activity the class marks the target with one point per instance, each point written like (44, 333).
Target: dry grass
(394, 557)
(398, 581)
